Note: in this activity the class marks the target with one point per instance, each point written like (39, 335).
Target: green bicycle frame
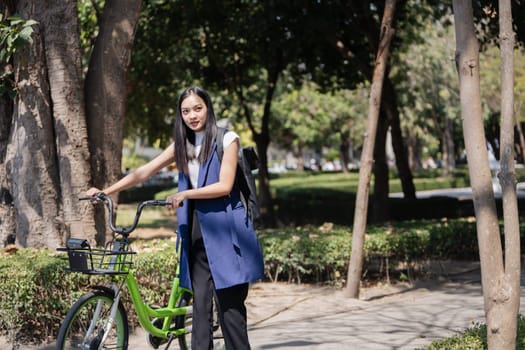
(146, 312)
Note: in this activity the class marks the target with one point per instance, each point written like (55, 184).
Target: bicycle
(98, 319)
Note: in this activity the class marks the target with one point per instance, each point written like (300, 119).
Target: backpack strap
(243, 177)
(219, 140)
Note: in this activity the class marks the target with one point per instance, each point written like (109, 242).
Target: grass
(347, 182)
(152, 217)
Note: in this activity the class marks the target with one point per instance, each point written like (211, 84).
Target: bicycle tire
(73, 330)
(218, 339)
(185, 321)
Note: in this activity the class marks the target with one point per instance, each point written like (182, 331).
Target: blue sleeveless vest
(233, 250)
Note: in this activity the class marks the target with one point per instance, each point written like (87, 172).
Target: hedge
(37, 292)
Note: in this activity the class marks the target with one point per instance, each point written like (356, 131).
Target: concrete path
(400, 317)
(397, 317)
(301, 317)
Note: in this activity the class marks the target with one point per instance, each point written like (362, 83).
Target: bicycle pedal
(155, 342)
(171, 337)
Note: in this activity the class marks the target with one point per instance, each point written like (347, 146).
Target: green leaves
(14, 33)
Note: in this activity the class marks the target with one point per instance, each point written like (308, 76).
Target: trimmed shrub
(37, 292)
(475, 338)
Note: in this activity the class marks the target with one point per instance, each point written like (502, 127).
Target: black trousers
(229, 301)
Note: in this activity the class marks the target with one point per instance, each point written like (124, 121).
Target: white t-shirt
(194, 165)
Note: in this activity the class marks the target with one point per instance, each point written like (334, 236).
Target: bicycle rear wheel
(185, 321)
(86, 321)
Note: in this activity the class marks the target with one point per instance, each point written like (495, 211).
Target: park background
(295, 77)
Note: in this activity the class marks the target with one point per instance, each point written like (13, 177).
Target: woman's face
(194, 112)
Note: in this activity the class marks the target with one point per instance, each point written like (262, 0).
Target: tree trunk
(62, 56)
(47, 156)
(106, 91)
(7, 212)
(389, 120)
(367, 161)
(31, 162)
(297, 152)
(391, 109)
(380, 209)
(521, 138)
(262, 141)
(447, 142)
(497, 290)
(344, 150)
(506, 337)
(414, 147)
(448, 147)
(264, 195)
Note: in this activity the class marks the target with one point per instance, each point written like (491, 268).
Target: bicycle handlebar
(102, 197)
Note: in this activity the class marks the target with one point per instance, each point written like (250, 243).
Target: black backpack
(246, 163)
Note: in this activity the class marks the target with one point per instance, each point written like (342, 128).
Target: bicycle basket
(114, 259)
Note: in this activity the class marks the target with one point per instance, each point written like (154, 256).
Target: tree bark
(7, 212)
(521, 138)
(506, 337)
(496, 288)
(46, 161)
(400, 151)
(380, 208)
(62, 56)
(344, 150)
(47, 155)
(414, 151)
(106, 91)
(447, 142)
(367, 161)
(31, 154)
(263, 140)
(448, 147)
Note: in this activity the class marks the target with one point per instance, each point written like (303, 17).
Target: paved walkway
(301, 317)
(388, 317)
(401, 317)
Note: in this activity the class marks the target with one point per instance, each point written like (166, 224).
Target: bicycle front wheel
(86, 322)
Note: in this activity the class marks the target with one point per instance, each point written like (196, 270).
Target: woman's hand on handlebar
(95, 195)
(176, 200)
(92, 192)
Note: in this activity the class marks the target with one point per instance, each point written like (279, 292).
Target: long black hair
(184, 137)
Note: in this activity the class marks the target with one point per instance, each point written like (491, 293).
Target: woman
(220, 251)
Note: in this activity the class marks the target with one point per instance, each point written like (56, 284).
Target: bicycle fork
(109, 324)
